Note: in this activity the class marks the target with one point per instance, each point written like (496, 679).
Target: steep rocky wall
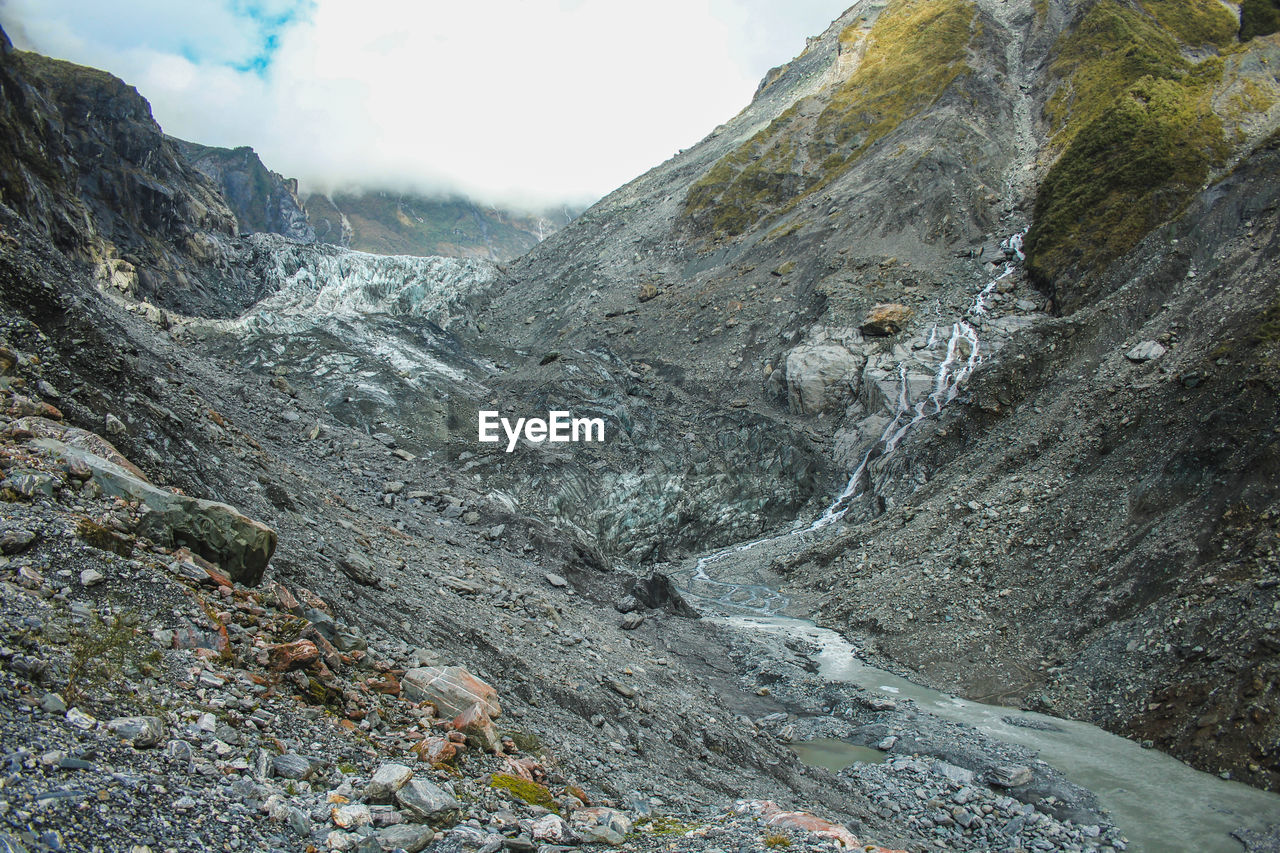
(263, 201)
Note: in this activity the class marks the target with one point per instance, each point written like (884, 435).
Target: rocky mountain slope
(977, 297)
(1062, 529)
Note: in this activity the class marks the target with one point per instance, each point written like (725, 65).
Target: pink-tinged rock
(526, 768)
(451, 689)
(476, 725)
(284, 599)
(552, 829)
(310, 599)
(289, 656)
(328, 653)
(436, 750)
(814, 825)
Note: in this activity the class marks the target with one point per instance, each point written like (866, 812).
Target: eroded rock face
(819, 377)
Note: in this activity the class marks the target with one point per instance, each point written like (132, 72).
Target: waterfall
(961, 357)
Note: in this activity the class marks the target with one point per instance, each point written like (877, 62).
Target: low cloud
(525, 102)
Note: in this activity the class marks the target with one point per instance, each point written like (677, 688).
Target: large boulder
(450, 688)
(885, 320)
(819, 377)
(216, 531)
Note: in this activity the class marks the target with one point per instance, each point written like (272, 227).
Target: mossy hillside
(1195, 22)
(916, 49)
(1259, 18)
(1133, 114)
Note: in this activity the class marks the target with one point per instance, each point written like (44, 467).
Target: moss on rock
(525, 791)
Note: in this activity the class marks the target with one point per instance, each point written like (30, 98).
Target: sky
(518, 102)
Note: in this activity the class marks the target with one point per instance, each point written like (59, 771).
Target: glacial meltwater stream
(1159, 803)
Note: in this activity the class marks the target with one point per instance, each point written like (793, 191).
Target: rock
(142, 732)
(80, 719)
(632, 621)
(289, 656)
(405, 836)
(425, 800)
(328, 653)
(15, 540)
(27, 485)
(52, 703)
(552, 828)
(556, 580)
(450, 689)
(351, 815)
(478, 727)
(1009, 775)
(1145, 351)
(292, 766)
(436, 750)
(215, 531)
(360, 568)
(114, 425)
(885, 320)
(341, 840)
(626, 604)
(812, 824)
(601, 825)
(818, 377)
(387, 779)
(91, 577)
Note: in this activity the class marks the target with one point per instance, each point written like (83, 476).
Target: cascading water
(961, 357)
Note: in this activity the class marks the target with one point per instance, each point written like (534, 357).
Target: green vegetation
(1139, 133)
(1195, 22)
(525, 791)
(101, 653)
(1259, 18)
(915, 50)
(776, 840)
(664, 825)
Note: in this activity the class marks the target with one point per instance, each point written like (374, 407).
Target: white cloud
(514, 100)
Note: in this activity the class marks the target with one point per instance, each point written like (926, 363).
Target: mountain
(1085, 529)
(263, 201)
(959, 340)
(406, 224)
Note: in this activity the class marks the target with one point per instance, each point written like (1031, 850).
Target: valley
(938, 391)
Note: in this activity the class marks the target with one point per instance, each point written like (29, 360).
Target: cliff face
(263, 201)
(1079, 515)
(88, 166)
